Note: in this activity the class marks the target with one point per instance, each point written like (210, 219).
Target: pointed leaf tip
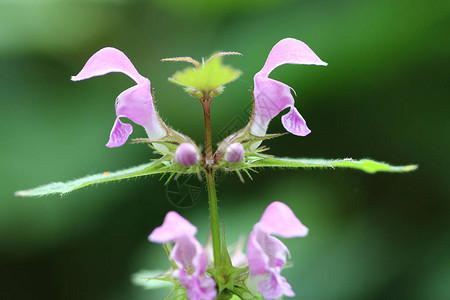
(183, 58)
(224, 53)
(366, 165)
(62, 188)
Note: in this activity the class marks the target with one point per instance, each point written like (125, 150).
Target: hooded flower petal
(267, 254)
(290, 51)
(271, 96)
(279, 219)
(108, 60)
(135, 103)
(173, 227)
(188, 254)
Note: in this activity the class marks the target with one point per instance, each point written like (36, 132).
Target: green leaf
(149, 280)
(66, 187)
(366, 165)
(209, 77)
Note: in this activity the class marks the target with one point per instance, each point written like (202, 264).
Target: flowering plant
(210, 272)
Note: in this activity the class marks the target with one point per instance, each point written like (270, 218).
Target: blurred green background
(384, 95)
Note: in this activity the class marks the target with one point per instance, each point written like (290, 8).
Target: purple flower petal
(108, 60)
(275, 286)
(290, 51)
(264, 252)
(267, 254)
(294, 123)
(279, 219)
(173, 227)
(271, 96)
(119, 134)
(188, 254)
(135, 103)
(198, 288)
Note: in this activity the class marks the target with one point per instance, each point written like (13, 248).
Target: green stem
(214, 215)
(211, 185)
(206, 103)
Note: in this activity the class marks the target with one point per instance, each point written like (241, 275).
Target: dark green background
(384, 95)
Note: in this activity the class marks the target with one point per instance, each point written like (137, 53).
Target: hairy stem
(206, 103)
(214, 215)
(210, 183)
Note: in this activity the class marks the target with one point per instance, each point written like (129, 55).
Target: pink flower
(135, 103)
(188, 254)
(267, 255)
(271, 96)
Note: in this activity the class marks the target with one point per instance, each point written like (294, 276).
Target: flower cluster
(266, 255)
(209, 273)
(188, 254)
(270, 98)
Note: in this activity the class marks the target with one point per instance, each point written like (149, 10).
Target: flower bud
(187, 155)
(235, 153)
